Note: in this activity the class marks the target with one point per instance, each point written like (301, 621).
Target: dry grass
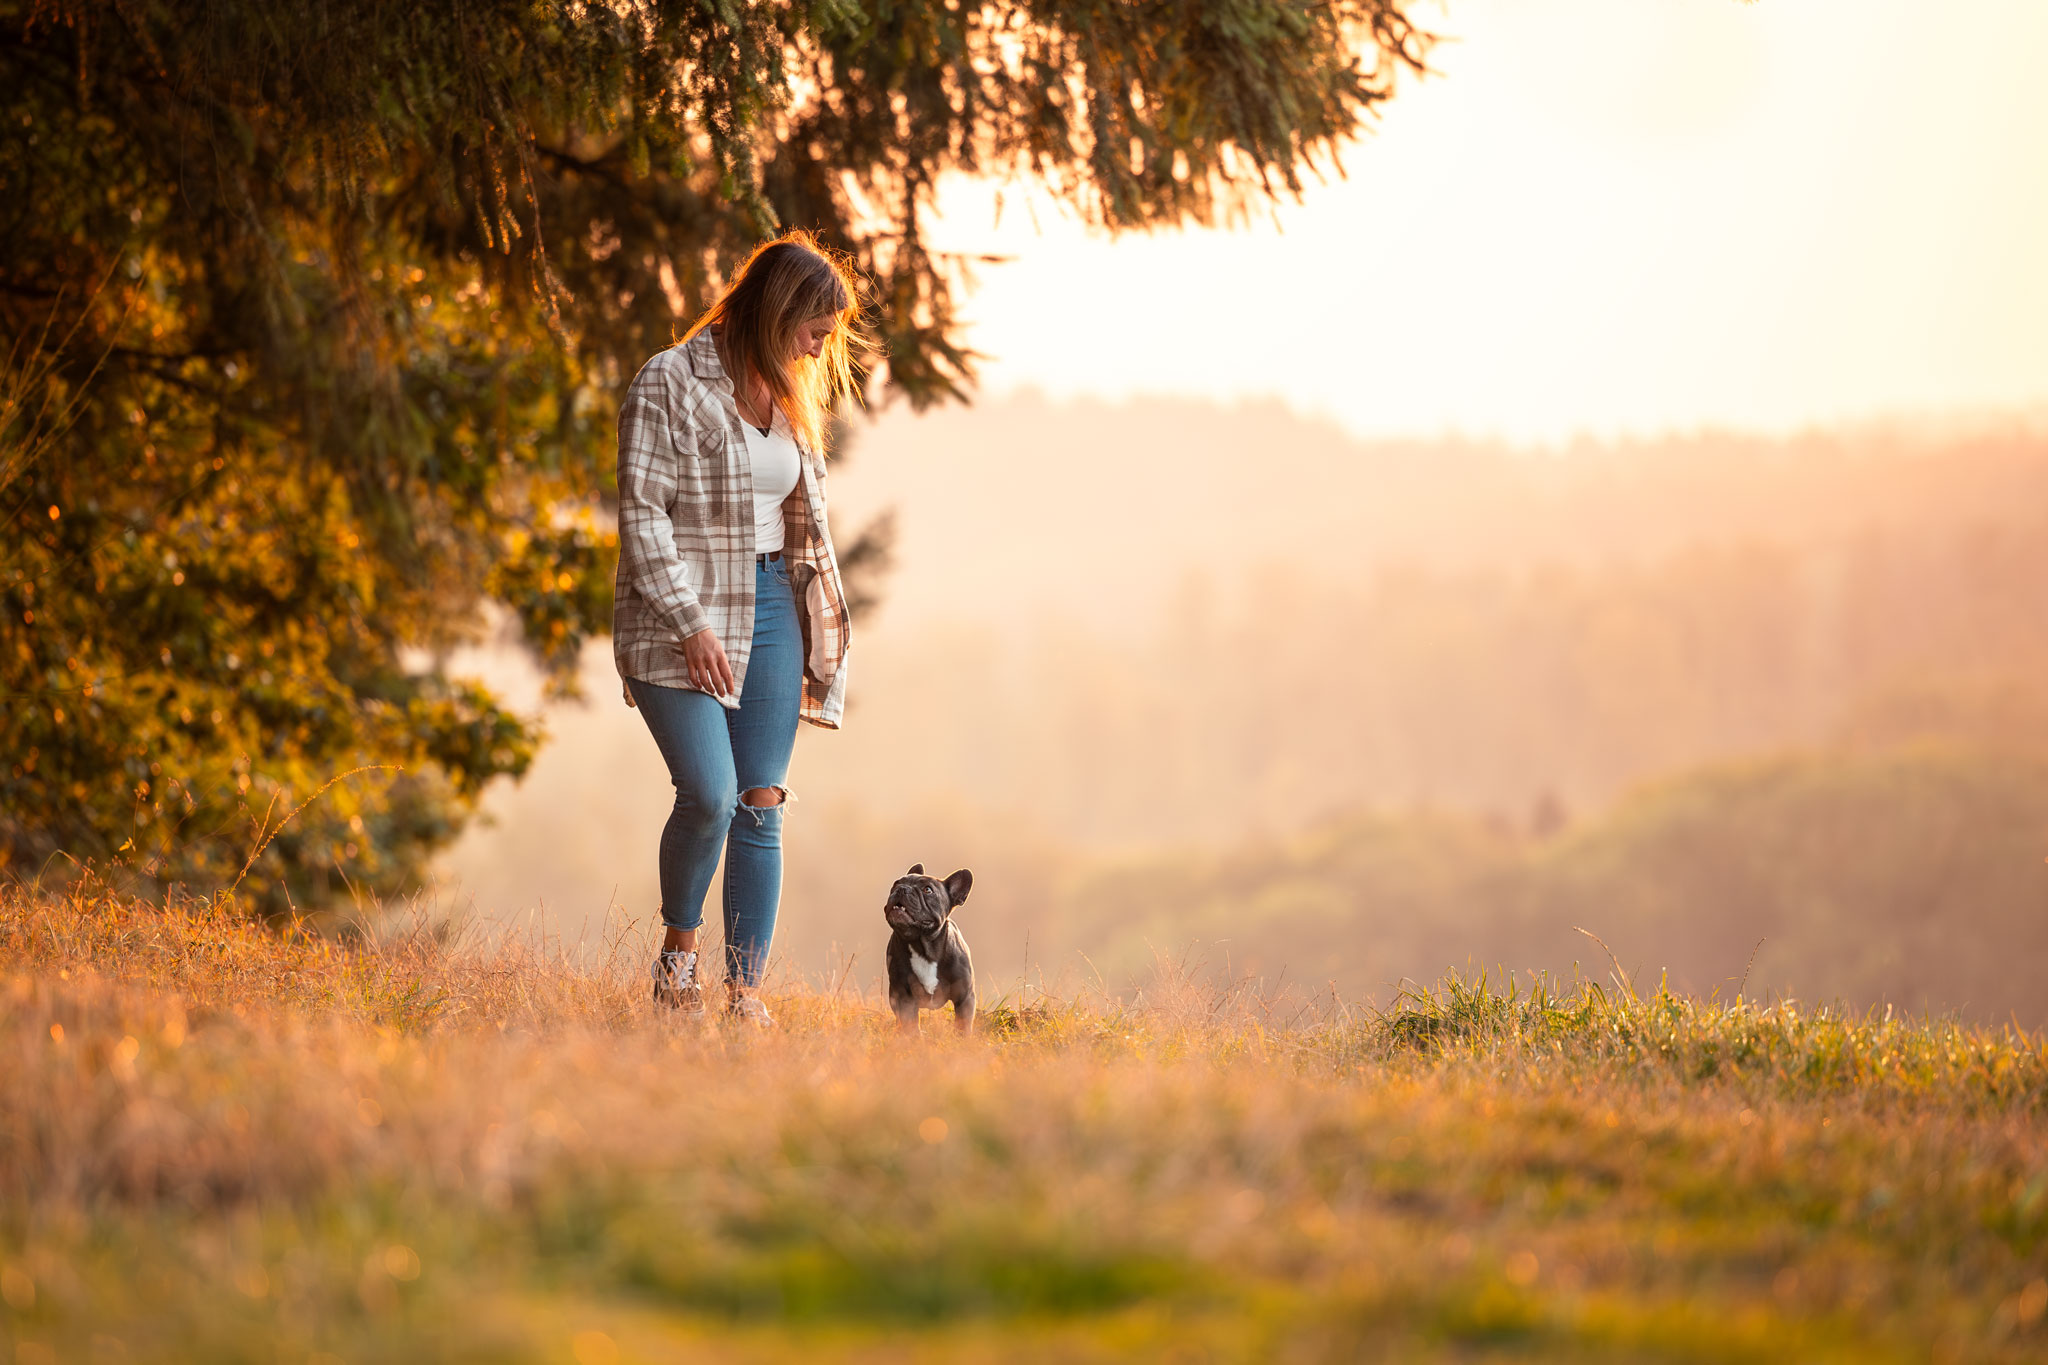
(222, 1143)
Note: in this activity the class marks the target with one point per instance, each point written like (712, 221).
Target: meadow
(219, 1141)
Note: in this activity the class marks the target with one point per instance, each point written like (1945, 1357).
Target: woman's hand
(705, 659)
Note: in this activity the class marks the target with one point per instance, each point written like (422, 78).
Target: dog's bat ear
(916, 870)
(957, 887)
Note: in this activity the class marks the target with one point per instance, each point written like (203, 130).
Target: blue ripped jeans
(713, 755)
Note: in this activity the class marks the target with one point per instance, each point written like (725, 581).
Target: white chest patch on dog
(926, 971)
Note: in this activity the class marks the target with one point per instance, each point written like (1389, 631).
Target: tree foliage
(315, 313)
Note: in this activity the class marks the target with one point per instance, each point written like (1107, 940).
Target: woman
(730, 622)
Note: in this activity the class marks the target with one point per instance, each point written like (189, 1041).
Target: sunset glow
(1603, 215)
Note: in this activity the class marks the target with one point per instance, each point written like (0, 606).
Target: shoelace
(676, 968)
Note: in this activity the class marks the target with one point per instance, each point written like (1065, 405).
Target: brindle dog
(929, 964)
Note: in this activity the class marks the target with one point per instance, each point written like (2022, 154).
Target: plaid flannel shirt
(686, 534)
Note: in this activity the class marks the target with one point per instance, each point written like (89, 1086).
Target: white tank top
(774, 458)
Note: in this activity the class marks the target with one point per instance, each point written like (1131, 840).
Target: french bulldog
(929, 964)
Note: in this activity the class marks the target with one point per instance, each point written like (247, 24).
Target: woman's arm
(647, 482)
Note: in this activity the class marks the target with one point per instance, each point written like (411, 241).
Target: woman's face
(811, 335)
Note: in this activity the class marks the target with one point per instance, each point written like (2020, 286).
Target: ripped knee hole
(759, 797)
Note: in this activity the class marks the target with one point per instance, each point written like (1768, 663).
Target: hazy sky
(1602, 216)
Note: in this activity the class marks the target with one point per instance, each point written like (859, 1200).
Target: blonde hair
(788, 281)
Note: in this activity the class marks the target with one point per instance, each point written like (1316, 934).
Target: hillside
(1909, 876)
(217, 1143)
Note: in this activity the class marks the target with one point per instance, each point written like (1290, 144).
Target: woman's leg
(763, 735)
(689, 728)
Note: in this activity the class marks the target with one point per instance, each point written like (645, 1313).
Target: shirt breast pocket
(696, 469)
(709, 446)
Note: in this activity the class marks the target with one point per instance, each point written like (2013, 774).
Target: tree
(316, 313)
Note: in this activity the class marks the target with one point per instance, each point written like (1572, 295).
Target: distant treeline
(1524, 693)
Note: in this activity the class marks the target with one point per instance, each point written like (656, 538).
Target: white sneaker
(675, 983)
